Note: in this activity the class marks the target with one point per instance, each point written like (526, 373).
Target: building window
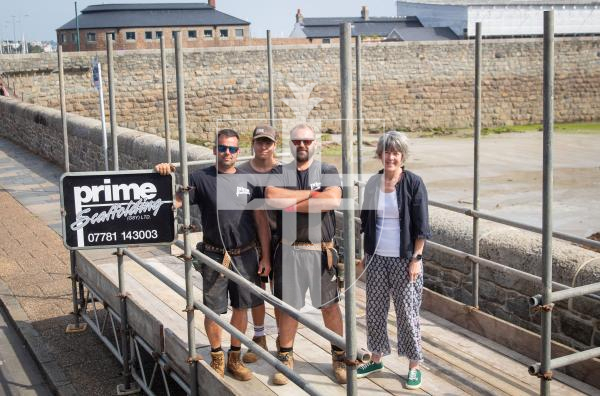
(112, 35)
(208, 33)
(130, 36)
(63, 38)
(326, 41)
(224, 33)
(192, 34)
(173, 34)
(73, 37)
(148, 35)
(91, 37)
(158, 34)
(239, 33)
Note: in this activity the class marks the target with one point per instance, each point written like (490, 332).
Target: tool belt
(327, 247)
(227, 253)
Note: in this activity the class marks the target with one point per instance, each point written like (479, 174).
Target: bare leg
(288, 327)
(239, 320)
(258, 315)
(332, 316)
(213, 332)
(277, 313)
(413, 364)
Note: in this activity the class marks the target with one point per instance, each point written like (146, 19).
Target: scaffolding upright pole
(476, 138)
(359, 129)
(77, 40)
(77, 326)
(163, 64)
(359, 115)
(111, 100)
(270, 71)
(348, 188)
(545, 360)
(63, 108)
(187, 248)
(126, 387)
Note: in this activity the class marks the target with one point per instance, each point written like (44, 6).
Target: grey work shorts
(296, 271)
(216, 288)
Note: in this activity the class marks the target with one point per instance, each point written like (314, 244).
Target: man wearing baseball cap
(264, 144)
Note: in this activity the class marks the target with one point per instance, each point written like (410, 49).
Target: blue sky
(38, 19)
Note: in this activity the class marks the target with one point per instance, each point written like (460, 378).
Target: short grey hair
(300, 127)
(393, 141)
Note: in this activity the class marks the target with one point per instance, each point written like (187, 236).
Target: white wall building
(501, 18)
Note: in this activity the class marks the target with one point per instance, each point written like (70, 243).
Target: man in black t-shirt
(307, 191)
(230, 232)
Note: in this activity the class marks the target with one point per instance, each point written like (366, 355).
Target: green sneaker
(368, 368)
(414, 379)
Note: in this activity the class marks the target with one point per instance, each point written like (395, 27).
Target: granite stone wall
(406, 85)
(39, 129)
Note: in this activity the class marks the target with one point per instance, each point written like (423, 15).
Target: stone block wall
(406, 85)
(39, 129)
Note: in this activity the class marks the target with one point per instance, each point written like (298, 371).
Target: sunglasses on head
(298, 142)
(223, 149)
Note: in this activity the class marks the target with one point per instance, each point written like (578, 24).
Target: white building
(501, 18)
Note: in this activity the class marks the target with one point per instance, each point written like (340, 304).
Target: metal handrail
(514, 271)
(486, 216)
(566, 360)
(580, 291)
(527, 227)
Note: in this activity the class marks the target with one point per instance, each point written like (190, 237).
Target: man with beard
(308, 191)
(264, 143)
(229, 236)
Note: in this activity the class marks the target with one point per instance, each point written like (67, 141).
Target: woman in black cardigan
(395, 223)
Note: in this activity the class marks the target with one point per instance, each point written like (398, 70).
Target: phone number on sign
(125, 236)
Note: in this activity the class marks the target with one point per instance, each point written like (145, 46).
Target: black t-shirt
(259, 180)
(222, 200)
(306, 227)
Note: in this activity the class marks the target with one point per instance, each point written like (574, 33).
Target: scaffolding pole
(348, 187)
(546, 374)
(187, 248)
(476, 139)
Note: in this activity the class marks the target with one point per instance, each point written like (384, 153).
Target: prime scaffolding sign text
(117, 209)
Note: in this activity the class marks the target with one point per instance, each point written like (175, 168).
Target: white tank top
(388, 225)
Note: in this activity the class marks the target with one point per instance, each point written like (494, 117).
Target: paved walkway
(34, 284)
(19, 374)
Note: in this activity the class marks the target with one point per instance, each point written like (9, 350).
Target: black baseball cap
(265, 131)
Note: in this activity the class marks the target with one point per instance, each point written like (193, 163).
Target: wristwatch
(418, 257)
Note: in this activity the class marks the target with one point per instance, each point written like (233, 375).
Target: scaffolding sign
(117, 209)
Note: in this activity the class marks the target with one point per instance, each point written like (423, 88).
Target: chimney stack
(364, 13)
(299, 16)
(212, 3)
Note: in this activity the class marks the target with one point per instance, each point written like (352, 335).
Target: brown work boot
(286, 358)
(339, 366)
(218, 362)
(250, 356)
(236, 367)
